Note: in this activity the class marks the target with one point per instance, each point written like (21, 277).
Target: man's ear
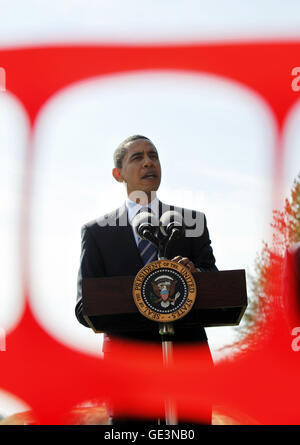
(117, 175)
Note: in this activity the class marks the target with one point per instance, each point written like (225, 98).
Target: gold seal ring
(164, 290)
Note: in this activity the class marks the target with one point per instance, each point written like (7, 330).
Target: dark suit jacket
(109, 249)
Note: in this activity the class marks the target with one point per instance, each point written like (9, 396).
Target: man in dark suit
(110, 246)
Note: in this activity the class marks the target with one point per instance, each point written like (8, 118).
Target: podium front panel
(108, 303)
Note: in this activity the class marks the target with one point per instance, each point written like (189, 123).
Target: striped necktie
(148, 251)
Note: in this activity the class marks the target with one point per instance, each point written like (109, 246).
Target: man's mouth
(149, 176)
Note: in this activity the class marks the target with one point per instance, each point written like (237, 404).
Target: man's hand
(186, 262)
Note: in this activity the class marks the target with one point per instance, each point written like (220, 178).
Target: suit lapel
(126, 242)
(180, 246)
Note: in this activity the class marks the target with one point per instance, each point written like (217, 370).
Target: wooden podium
(108, 304)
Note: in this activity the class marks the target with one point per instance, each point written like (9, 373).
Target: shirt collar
(133, 208)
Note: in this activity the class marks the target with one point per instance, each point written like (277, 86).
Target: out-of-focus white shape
(10, 404)
(13, 143)
(215, 140)
(291, 147)
(35, 22)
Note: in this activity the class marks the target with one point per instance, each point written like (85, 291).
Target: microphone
(145, 224)
(171, 225)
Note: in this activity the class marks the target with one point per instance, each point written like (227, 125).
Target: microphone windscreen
(171, 218)
(145, 218)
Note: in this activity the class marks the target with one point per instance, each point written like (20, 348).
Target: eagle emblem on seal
(164, 291)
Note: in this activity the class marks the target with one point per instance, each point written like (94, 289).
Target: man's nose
(148, 161)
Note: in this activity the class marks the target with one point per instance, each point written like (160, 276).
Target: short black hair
(122, 148)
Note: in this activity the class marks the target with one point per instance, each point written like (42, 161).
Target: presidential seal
(164, 291)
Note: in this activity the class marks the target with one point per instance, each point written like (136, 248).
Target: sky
(214, 137)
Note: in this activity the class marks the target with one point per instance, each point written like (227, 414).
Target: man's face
(140, 167)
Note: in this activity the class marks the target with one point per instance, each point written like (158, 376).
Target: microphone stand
(166, 330)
